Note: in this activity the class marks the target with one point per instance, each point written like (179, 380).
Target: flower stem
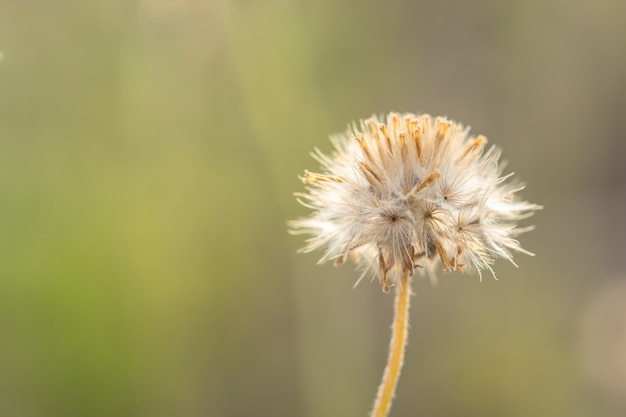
(399, 333)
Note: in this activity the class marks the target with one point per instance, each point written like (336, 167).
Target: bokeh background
(149, 150)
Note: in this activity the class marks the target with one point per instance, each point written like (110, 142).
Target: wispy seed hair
(406, 192)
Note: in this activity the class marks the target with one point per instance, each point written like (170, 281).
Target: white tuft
(411, 191)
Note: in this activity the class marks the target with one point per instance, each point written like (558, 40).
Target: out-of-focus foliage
(148, 153)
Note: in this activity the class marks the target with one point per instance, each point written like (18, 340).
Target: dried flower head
(411, 191)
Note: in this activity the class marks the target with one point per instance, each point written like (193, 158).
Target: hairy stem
(399, 333)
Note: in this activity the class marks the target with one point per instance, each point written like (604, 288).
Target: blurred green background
(149, 150)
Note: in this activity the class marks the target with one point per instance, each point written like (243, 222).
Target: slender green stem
(399, 333)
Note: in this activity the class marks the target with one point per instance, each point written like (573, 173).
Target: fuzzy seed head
(411, 191)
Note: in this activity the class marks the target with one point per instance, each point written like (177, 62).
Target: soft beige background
(149, 150)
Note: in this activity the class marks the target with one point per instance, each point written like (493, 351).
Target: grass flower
(410, 192)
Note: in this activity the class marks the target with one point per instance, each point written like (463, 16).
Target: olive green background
(149, 150)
